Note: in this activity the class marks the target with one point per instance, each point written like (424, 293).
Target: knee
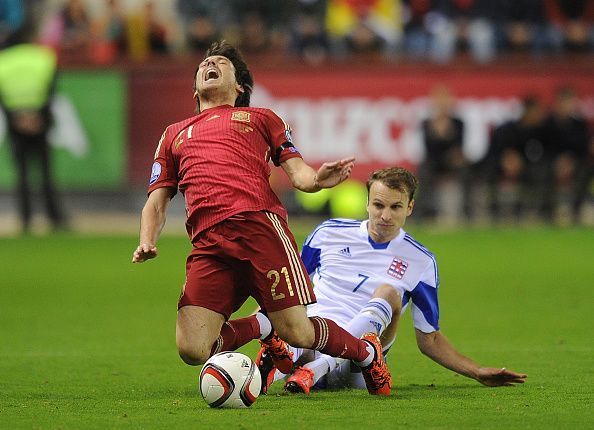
(293, 326)
(196, 330)
(391, 295)
(300, 334)
(192, 354)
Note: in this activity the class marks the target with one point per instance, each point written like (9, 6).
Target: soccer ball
(230, 380)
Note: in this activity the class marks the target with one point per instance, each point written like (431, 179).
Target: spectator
(156, 31)
(417, 36)
(366, 26)
(112, 26)
(75, 26)
(262, 25)
(146, 35)
(523, 25)
(443, 170)
(571, 24)
(518, 164)
(569, 138)
(464, 24)
(308, 36)
(12, 20)
(254, 35)
(27, 79)
(206, 21)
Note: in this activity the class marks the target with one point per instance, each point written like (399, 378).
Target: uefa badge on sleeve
(155, 172)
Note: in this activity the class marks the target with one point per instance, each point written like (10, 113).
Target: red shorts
(249, 254)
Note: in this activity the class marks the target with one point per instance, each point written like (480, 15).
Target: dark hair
(396, 178)
(243, 76)
(530, 101)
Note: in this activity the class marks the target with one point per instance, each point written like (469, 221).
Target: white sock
(297, 352)
(374, 317)
(265, 325)
(321, 366)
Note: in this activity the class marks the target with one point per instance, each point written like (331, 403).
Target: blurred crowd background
(313, 30)
(491, 102)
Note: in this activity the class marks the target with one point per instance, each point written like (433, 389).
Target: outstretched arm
(437, 347)
(305, 178)
(151, 224)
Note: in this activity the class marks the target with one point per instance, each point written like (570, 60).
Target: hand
(333, 173)
(144, 252)
(496, 377)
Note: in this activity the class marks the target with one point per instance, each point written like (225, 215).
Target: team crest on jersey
(178, 140)
(397, 268)
(155, 172)
(241, 116)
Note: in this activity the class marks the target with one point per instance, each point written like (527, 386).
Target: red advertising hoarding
(372, 113)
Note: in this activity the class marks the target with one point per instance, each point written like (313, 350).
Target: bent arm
(152, 222)
(301, 174)
(437, 347)
(305, 178)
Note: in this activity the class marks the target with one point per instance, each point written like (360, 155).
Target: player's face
(387, 209)
(216, 73)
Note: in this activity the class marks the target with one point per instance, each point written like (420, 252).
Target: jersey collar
(364, 233)
(215, 108)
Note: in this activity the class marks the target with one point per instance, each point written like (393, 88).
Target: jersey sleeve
(425, 305)
(312, 250)
(280, 139)
(163, 171)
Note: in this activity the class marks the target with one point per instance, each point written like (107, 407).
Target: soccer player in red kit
(241, 244)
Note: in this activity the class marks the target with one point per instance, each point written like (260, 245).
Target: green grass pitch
(87, 340)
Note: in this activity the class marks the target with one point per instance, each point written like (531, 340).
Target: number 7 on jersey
(365, 278)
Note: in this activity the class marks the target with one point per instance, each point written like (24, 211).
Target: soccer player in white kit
(365, 274)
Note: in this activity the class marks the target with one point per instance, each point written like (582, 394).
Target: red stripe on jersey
(219, 161)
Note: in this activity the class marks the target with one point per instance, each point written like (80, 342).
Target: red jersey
(219, 161)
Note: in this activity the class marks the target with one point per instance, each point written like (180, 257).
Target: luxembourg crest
(397, 268)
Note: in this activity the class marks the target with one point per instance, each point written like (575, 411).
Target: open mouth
(211, 74)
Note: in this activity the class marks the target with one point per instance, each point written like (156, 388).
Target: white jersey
(346, 266)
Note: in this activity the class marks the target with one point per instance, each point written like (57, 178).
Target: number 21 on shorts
(275, 276)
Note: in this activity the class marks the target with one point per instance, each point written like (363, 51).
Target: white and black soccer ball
(230, 380)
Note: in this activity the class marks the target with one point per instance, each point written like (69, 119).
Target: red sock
(337, 342)
(235, 334)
